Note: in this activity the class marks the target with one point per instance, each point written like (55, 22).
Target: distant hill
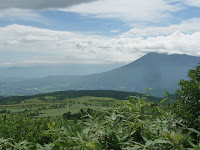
(39, 71)
(62, 95)
(156, 71)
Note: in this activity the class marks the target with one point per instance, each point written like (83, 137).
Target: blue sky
(96, 31)
(69, 21)
(78, 22)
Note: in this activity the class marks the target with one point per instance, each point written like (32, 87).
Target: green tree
(189, 97)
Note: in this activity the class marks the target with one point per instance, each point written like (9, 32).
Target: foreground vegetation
(106, 123)
(137, 124)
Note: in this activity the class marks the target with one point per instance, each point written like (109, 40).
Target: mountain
(156, 71)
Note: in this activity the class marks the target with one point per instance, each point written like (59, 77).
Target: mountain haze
(39, 71)
(156, 71)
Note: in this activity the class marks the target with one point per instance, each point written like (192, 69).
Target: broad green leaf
(195, 131)
(192, 144)
(124, 137)
(167, 93)
(162, 101)
(113, 116)
(53, 124)
(66, 127)
(162, 112)
(85, 131)
(157, 141)
(49, 126)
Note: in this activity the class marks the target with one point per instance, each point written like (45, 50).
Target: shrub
(188, 97)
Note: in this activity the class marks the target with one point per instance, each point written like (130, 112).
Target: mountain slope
(157, 71)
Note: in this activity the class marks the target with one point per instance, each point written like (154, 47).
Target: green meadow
(55, 108)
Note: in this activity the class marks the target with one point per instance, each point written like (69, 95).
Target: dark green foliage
(189, 98)
(70, 116)
(4, 111)
(20, 127)
(13, 99)
(62, 95)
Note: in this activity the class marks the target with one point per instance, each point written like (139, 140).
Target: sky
(34, 32)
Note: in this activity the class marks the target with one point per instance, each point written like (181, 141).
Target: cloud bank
(128, 10)
(187, 26)
(34, 45)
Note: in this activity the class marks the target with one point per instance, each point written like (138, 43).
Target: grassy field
(54, 108)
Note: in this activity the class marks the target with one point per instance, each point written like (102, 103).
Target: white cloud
(29, 10)
(34, 45)
(195, 3)
(114, 31)
(128, 10)
(188, 26)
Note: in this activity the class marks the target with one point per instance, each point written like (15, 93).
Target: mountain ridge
(154, 70)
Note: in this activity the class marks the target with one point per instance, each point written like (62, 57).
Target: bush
(188, 97)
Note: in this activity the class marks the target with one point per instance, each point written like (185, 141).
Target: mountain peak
(162, 59)
(165, 54)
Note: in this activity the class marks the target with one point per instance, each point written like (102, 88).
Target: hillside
(156, 71)
(62, 95)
